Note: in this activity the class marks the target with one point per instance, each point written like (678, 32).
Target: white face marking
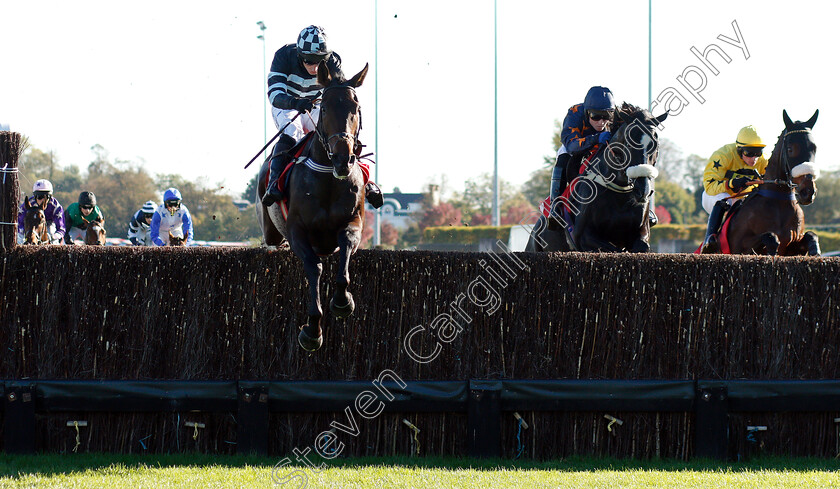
(647, 141)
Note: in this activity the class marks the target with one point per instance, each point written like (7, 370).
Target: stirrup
(710, 244)
(272, 195)
(373, 194)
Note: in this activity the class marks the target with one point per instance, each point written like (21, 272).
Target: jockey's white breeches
(709, 201)
(299, 127)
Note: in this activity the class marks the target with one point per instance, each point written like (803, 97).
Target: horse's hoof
(345, 310)
(309, 343)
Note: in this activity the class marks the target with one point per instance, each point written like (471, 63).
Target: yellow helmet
(748, 136)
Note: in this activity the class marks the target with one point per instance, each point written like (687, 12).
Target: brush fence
(620, 355)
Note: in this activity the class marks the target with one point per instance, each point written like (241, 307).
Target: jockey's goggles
(600, 115)
(147, 215)
(752, 152)
(173, 203)
(311, 59)
(41, 195)
(87, 207)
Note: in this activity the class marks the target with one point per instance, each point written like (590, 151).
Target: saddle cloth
(294, 158)
(545, 205)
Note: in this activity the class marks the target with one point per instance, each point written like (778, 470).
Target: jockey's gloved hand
(603, 137)
(751, 173)
(738, 183)
(303, 105)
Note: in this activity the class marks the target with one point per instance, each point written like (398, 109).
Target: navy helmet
(599, 99)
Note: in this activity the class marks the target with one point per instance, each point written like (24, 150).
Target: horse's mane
(628, 112)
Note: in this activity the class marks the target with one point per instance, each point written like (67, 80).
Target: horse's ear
(26, 204)
(788, 122)
(357, 80)
(813, 120)
(661, 118)
(324, 75)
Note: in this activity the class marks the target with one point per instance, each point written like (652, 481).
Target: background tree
(443, 214)
(678, 202)
(538, 187)
(826, 206)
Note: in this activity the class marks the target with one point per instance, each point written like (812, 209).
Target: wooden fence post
(12, 145)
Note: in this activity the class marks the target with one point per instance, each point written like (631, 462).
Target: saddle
(722, 239)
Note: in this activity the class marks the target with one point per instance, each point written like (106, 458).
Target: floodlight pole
(261, 37)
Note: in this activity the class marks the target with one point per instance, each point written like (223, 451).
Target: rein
(786, 161)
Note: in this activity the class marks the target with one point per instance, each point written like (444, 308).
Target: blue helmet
(598, 98)
(171, 194)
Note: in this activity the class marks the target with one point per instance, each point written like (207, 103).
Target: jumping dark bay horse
(610, 202)
(35, 231)
(770, 220)
(326, 209)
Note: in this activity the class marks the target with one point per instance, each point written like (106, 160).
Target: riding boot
(279, 158)
(373, 194)
(558, 185)
(652, 213)
(715, 219)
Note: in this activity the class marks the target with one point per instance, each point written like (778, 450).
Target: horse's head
(34, 223)
(177, 239)
(793, 158)
(95, 234)
(340, 119)
(632, 151)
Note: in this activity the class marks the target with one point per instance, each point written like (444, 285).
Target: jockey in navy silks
(585, 125)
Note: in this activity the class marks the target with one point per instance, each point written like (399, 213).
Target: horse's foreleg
(808, 245)
(342, 304)
(813, 244)
(589, 242)
(769, 243)
(639, 246)
(311, 335)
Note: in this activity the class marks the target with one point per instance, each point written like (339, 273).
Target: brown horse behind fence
(770, 220)
(35, 231)
(95, 233)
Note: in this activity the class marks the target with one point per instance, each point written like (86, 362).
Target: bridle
(786, 181)
(352, 138)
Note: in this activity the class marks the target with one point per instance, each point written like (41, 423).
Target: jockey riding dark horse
(325, 211)
(294, 93)
(607, 207)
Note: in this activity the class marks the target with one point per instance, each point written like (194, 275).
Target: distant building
(402, 209)
(241, 204)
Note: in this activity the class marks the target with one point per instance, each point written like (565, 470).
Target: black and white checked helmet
(312, 41)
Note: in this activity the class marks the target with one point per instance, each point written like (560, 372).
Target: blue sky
(179, 88)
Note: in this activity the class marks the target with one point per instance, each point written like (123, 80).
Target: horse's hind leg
(342, 304)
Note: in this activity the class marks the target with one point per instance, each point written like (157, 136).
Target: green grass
(204, 471)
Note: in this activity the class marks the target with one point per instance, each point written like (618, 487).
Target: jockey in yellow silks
(727, 174)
